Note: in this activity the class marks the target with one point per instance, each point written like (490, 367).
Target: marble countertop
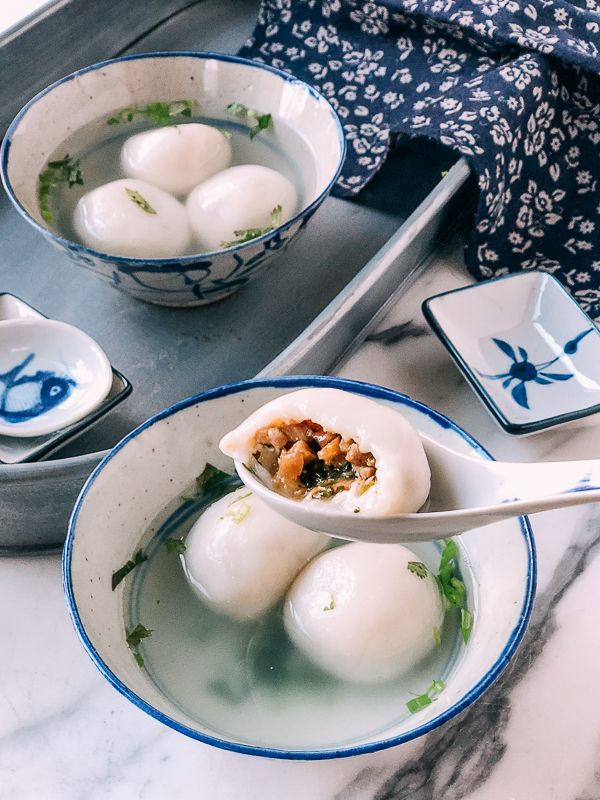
(65, 734)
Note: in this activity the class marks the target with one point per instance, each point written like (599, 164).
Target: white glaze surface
(67, 735)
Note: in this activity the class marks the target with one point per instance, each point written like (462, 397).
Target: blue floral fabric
(513, 85)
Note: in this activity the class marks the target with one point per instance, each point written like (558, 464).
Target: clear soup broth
(248, 681)
(97, 148)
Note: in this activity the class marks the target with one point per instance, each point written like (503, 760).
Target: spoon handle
(550, 484)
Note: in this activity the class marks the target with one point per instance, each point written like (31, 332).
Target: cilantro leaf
(140, 201)
(174, 545)
(134, 637)
(160, 113)
(65, 170)
(263, 121)
(134, 562)
(211, 485)
(252, 233)
(417, 568)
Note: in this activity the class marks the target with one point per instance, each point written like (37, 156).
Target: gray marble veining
(535, 735)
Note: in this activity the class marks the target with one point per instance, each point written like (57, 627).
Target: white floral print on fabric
(513, 85)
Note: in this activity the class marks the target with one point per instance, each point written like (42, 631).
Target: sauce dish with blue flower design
(529, 351)
(51, 375)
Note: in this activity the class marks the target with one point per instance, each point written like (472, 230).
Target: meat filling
(302, 459)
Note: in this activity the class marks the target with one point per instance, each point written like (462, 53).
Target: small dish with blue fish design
(51, 375)
(526, 347)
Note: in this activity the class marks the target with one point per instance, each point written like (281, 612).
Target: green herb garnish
(134, 639)
(252, 233)
(263, 121)
(174, 545)
(331, 605)
(140, 201)
(159, 113)
(466, 624)
(443, 173)
(239, 509)
(427, 698)
(453, 588)
(211, 485)
(135, 636)
(134, 562)
(66, 170)
(418, 568)
(437, 635)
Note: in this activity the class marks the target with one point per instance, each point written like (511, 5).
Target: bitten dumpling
(239, 199)
(132, 218)
(176, 158)
(361, 614)
(334, 447)
(241, 557)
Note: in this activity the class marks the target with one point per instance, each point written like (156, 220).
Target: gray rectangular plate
(320, 298)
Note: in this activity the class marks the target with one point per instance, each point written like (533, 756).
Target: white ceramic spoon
(466, 493)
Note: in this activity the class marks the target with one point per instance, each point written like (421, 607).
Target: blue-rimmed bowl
(75, 103)
(158, 462)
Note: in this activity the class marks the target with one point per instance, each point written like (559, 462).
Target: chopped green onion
(331, 605)
(139, 659)
(417, 568)
(140, 201)
(134, 562)
(437, 635)
(466, 624)
(427, 698)
(453, 588)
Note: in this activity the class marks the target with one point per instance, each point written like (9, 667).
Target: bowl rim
(541, 423)
(76, 247)
(291, 382)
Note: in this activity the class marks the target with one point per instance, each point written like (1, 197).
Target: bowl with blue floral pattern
(66, 170)
(525, 346)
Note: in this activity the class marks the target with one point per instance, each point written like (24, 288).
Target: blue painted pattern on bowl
(96, 91)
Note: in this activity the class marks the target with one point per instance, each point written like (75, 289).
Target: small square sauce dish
(526, 347)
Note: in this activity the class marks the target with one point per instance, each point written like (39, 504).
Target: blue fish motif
(24, 397)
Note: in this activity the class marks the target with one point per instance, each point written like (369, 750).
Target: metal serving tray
(322, 296)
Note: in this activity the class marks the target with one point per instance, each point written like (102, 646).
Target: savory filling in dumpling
(334, 446)
(303, 458)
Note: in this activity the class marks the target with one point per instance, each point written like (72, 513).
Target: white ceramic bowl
(214, 80)
(158, 462)
(51, 375)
